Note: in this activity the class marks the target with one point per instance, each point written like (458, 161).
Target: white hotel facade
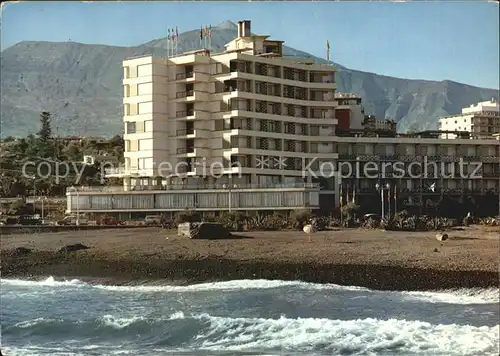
(237, 130)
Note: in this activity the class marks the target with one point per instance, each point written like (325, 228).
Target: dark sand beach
(375, 259)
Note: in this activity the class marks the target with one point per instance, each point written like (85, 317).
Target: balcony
(191, 95)
(193, 152)
(192, 133)
(184, 94)
(192, 114)
(192, 77)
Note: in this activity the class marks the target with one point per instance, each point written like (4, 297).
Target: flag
(210, 32)
(395, 192)
(173, 34)
(347, 194)
(389, 195)
(341, 196)
(206, 30)
(354, 195)
(327, 45)
(168, 37)
(176, 33)
(327, 50)
(201, 33)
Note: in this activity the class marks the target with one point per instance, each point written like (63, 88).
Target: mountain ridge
(81, 85)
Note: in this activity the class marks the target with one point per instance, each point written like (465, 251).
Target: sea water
(243, 317)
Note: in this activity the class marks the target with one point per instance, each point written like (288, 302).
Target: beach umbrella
(309, 229)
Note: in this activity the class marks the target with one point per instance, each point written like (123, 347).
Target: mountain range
(80, 84)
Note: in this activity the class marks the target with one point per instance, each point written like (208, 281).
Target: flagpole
(205, 37)
(176, 41)
(201, 37)
(341, 212)
(171, 44)
(395, 199)
(168, 43)
(210, 37)
(389, 200)
(328, 50)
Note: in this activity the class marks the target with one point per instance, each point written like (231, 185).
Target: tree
(45, 148)
(45, 132)
(72, 152)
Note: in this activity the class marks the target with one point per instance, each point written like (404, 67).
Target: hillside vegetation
(80, 84)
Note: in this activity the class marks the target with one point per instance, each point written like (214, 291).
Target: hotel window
(131, 128)
(145, 108)
(132, 145)
(139, 126)
(144, 89)
(145, 145)
(130, 109)
(148, 126)
(145, 163)
(144, 70)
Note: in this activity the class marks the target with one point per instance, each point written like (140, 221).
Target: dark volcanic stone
(73, 248)
(21, 251)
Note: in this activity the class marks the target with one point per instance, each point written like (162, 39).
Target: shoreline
(374, 259)
(85, 267)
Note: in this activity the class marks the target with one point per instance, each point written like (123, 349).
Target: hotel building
(250, 129)
(480, 120)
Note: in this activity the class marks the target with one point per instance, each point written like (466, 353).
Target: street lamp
(73, 189)
(42, 199)
(34, 193)
(382, 188)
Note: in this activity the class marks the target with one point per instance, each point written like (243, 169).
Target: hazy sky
(421, 40)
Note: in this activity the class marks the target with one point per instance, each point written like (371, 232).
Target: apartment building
(246, 118)
(480, 120)
(419, 170)
(249, 129)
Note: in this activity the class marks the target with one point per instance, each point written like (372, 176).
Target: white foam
(35, 351)
(119, 323)
(458, 296)
(461, 296)
(50, 281)
(33, 322)
(365, 336)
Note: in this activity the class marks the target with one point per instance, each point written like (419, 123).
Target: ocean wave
(103, 321)
(304, 335)
(50, 281)
(59, 351)
(364, 336)
(458, 296)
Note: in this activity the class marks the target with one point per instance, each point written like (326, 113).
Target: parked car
(153, 220)
(71, 220)
(372, 216)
